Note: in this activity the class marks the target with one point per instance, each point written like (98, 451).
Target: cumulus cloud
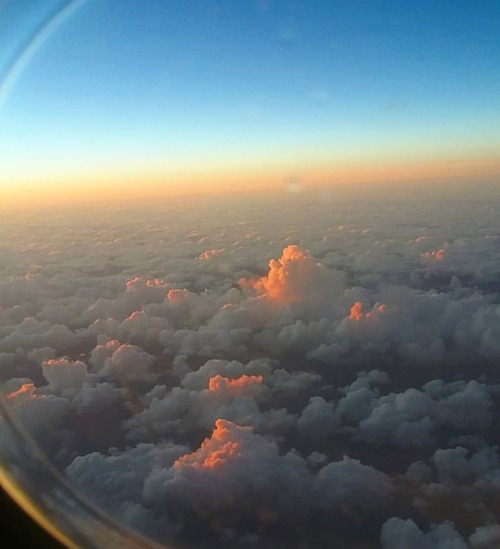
(63, 374)
(296, 277)
(129, 363)
(265, 373)
(115, 483)
(232, 466)
(349, 484)
(206, 395)
(43, 414)
(405, 534)
(485, 537)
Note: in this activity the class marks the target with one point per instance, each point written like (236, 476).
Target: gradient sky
(176, 94)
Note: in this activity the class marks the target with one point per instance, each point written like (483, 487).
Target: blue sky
(169, 84)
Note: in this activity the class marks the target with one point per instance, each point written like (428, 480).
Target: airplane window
(250, 272)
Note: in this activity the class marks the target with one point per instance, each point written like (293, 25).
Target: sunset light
(215, 452)
(185, 108)
(219, 383)
(250, 273)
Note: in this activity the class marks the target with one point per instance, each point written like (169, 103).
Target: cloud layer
(266, 373)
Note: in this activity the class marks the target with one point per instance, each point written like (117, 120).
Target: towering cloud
(297, 278)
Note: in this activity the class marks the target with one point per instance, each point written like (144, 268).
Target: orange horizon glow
(115, 185)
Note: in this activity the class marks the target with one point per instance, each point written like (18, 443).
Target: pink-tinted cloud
(356, 313)
(26, 391)
(239, 385)
(294, 278)
(436, 255)
(223, 446)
